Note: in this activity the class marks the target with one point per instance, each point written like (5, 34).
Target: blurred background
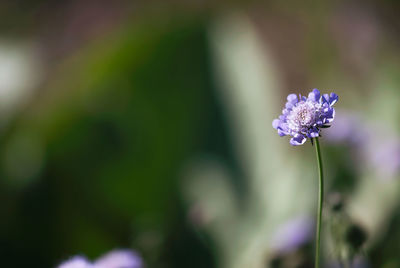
(147, 125)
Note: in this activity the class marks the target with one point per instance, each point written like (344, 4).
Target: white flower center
(303, 115)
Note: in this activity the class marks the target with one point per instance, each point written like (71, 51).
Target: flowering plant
(302, 118)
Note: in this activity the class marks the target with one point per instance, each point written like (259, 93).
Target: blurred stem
(320, 200)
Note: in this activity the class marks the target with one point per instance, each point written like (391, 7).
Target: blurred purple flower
(303, 117)
(348, 128)
(113, 259)
(293, 234)
(76, 262)
(119, 259)
(376, 145)
(386, 158)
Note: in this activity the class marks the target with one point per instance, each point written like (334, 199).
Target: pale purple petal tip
(275, 123)
(314, 95)
(289, 105)
(292, 98)
(298, 140)
(333, 98)
(76, 262)
(120, 259)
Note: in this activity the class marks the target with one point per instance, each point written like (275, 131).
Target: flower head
(304, 117)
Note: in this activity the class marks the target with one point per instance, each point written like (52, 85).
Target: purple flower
(119, 259)
(76, 262)
(376, 144)
(113, 259)
(292, 234)
(350, 128)
(303, 117)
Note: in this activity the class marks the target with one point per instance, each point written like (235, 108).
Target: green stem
(320, 200)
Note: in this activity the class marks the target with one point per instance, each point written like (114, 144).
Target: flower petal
(325, 99)
(333, 98)
(314, 132)
(329, 115)
(292, 98)
(314, 95)
(283, 129)
(275, 123)
(298, 139)
(289, 105)
(282, 132)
